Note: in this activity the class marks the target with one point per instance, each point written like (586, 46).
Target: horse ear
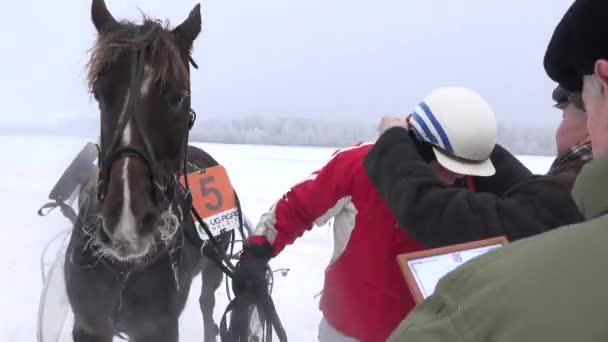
(102, 18)
(186, 32)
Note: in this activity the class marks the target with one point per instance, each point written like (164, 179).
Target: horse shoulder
(200, 157)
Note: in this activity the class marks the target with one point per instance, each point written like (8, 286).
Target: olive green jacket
(549, 287)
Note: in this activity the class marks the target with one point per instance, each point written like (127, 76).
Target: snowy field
(260, 174)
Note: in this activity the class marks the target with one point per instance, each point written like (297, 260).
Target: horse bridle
(115, 152)
(106, 158)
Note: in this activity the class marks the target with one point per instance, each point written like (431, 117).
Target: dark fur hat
(579, 40)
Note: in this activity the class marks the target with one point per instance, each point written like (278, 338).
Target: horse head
(139, 75)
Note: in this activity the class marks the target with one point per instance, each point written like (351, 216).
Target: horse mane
(153, 35)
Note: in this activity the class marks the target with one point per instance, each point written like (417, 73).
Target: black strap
(241, 302)
(66, 210)
(237, 332)
(239, 320)
(271, 316)
(217, 256)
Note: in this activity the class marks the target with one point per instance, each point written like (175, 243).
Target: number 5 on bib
(214, 200)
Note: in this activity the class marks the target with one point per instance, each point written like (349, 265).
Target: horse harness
(147, 155)
(211, 248)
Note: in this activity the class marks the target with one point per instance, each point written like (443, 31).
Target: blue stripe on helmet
(419, 136)
(438, 128)
(425, 128)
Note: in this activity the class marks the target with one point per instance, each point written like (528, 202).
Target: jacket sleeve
(509, 171)
(438, 215)
(312, 201)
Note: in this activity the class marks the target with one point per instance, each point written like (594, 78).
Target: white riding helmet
(461, 126)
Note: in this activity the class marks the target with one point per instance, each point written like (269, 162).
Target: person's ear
(601, 72)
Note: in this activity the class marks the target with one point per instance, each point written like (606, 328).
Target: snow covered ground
(31, 166)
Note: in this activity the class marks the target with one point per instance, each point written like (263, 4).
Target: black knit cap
(578, 41)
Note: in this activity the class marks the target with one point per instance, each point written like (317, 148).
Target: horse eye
(176, 98)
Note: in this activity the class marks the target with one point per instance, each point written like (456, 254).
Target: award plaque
(422, 270)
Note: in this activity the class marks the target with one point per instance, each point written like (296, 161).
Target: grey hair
(594, 84)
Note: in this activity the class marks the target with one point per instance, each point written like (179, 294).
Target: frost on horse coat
(107, 297)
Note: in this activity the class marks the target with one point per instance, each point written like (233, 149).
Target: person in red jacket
(364, 296)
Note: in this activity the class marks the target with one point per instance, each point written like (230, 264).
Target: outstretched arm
(437, 215)
(312, 201)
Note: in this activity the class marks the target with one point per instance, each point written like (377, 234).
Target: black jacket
(513, 202)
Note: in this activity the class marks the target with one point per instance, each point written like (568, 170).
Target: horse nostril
(149, 221)
(104, 236)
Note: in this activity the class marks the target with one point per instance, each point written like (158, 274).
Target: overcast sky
(348, 59)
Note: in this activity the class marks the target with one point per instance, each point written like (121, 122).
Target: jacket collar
(572, 161)
(590, 191)
(582, 151)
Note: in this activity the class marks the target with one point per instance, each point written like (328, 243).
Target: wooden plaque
(422, 270)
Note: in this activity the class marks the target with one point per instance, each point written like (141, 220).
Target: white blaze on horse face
(125, 230)
(145, 84)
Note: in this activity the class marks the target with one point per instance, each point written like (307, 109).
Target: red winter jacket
(364, 295)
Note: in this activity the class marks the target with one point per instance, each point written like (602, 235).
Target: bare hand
(391, 121)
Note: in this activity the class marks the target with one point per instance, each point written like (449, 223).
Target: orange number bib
(213, 198)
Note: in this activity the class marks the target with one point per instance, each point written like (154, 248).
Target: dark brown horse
(131, 257)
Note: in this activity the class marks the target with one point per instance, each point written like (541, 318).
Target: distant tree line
(283, 131)
(519, 137)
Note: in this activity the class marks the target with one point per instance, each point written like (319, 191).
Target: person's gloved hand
(250, 273)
